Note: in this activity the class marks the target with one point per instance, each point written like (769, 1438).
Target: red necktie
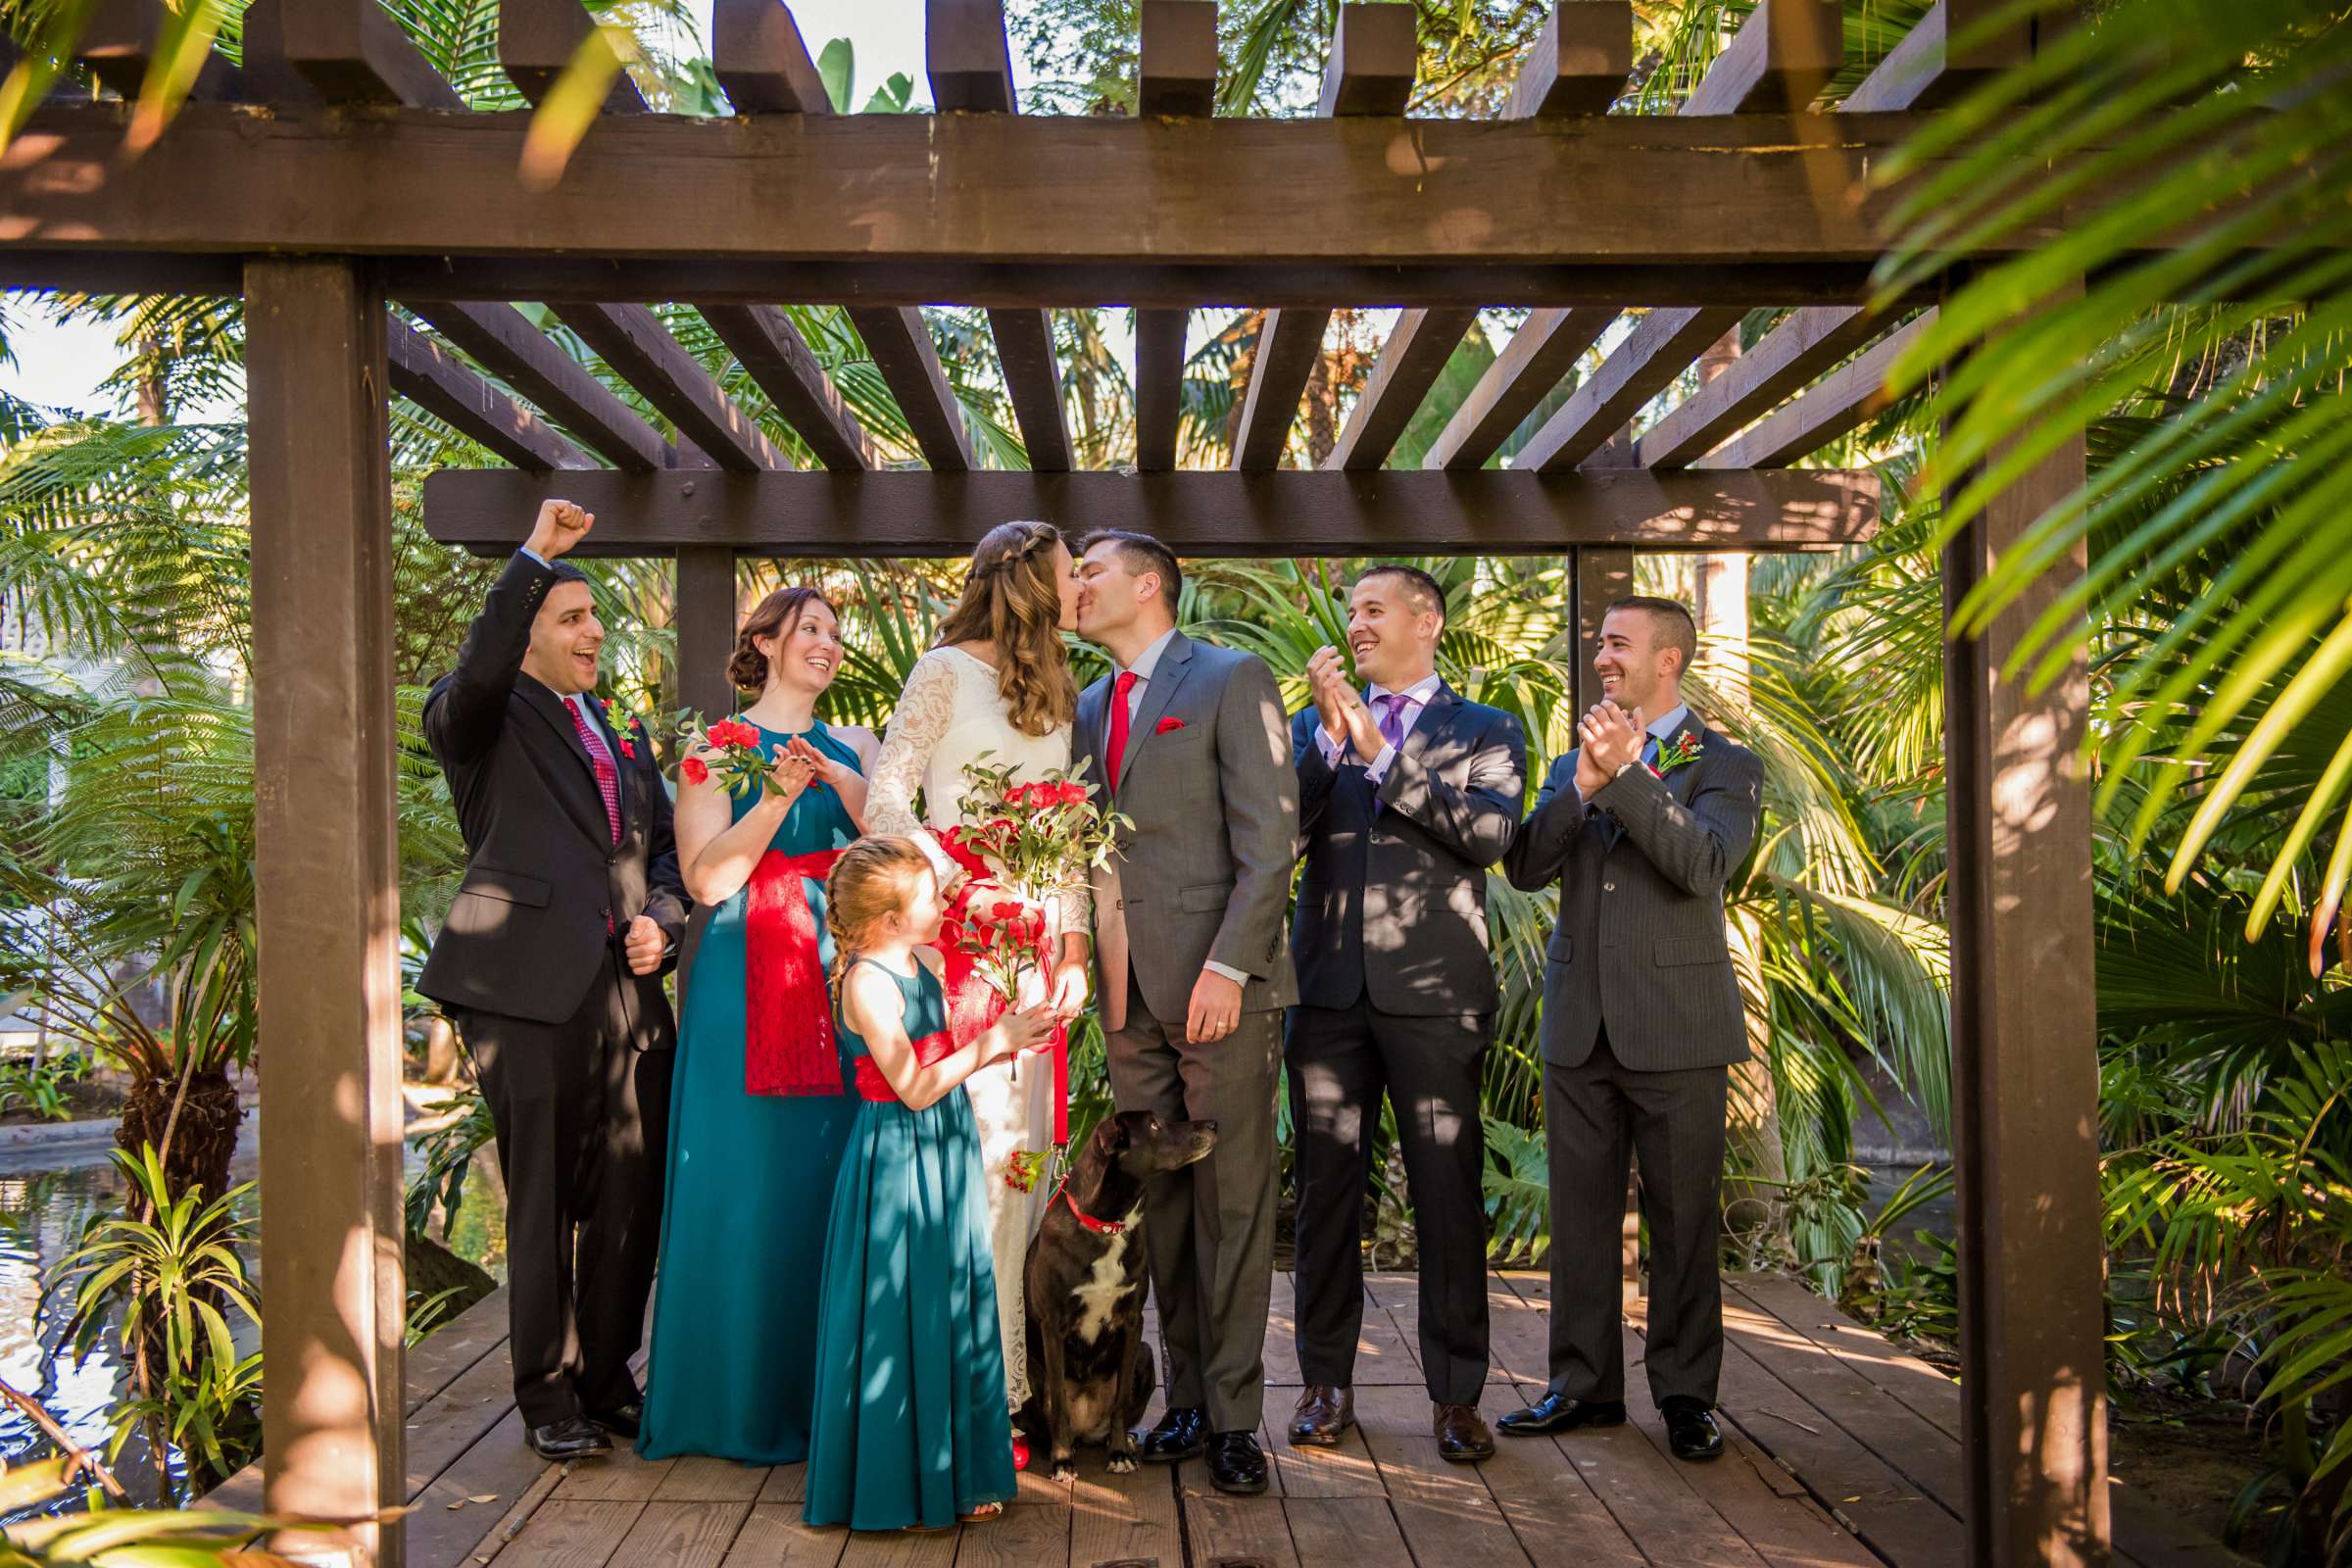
(607, 777)
(1119, 691)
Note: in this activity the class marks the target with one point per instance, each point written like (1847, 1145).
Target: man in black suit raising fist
(550, 963)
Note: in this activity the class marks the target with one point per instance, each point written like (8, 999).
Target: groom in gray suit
(1190, 741)
(1642, 826)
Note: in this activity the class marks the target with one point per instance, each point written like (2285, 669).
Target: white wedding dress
(951, 715)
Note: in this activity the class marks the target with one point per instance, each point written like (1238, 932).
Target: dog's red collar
(1100, 1227)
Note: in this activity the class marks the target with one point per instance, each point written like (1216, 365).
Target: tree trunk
(204, 1139)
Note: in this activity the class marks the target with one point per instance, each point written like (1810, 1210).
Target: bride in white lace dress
(996, 685)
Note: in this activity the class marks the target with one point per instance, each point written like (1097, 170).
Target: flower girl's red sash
(872, 1085)
(788, 1046)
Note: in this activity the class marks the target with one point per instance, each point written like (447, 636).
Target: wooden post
(2025, 1078)
(705, 619)
(329, 897)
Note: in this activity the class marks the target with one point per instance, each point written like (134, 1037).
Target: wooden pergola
(333, 173)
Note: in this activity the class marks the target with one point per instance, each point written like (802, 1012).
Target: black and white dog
(1090, 1372)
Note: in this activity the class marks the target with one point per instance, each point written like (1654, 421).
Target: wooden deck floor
(1842, 1452)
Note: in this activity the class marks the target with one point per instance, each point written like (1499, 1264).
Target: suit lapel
(1175, 661)
(1678, 780)
(553, 709)
(1435, 716)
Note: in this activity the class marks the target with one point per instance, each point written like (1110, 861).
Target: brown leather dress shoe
(1323, 1413)
(1462, 1435)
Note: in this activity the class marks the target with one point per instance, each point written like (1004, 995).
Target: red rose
(1006, 911)
(694, 771)
(1073, 793)
(1167, 724)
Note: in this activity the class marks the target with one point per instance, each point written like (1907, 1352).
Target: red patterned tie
(1119, 691)
(608, 775)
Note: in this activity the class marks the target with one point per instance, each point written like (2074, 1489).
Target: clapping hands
(1345, 718)
(1612, 738)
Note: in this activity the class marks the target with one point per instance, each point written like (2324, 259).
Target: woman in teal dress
(908, 1429)
(759, 1108)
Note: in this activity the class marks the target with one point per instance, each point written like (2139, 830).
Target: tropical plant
(170, 1274)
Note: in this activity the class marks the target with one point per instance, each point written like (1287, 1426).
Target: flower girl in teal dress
(909, 1426)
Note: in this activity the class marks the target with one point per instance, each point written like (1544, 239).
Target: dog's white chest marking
(1099, 1295)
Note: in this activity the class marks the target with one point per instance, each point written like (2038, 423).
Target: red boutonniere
(1685, 751)
(1167, 724)
(628, 748)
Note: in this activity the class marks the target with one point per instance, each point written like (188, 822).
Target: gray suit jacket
(1204, 870)
(1640, 944)
(1392, 904)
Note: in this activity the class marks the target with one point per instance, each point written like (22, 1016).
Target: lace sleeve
(926, 708)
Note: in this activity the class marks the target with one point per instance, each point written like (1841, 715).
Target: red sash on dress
(872, 1085)
(973, 1005)
(788, 1046)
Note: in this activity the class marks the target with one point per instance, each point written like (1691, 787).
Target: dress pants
(1342, 1061)
(1596, 1116)
(582, 1120)
(1209, 1227)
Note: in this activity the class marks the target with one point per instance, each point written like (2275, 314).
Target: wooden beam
(914, 512)
(1820, 413)
(118, 45)
(901, 207)
(345, 51)
(1547, 346)
(702, 612)
(632, 340)
(967, 57)
(899, 342)
(499, 337)
(1410, 362)
(1923, 72)
(430, 376)
(1288, 345)
(773, 353)
(1580, 61)
(1659, 349)
(2024, 1061)
(327, 893)
(1033, 381)
(1783, 54)
(538, 38)
(759, 60)
(1158, 381)
(1374, 57)
(1810, 339)
(1177, 61)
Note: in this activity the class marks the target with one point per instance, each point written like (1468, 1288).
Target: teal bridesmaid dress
(910, 1422)
(732, 1366)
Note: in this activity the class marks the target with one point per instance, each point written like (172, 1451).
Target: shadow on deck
(1844, 1451)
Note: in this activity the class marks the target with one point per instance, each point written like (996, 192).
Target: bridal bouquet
(727, 751)
(1023, 844)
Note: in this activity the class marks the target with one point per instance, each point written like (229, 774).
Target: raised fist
(560, 525)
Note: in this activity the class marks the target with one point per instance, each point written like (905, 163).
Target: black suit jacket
(1392, 903)
(546, 888)
(1640, 944)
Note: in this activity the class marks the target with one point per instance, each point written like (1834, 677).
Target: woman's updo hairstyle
(747, 669)
(1010, 599)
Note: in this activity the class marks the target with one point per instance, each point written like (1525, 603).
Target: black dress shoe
(1690, 1430)
(621, 1420)
(1179, 1435)
(572, 1438)
(1556, 1412)
(1236, 1463)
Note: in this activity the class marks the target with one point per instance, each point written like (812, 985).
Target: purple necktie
(608, 772)
(1391, 716)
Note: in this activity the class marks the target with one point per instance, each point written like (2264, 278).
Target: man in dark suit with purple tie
(551, 964)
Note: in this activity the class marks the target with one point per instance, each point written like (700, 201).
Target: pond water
(48, 1198)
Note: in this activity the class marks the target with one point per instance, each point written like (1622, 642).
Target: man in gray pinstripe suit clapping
(1642, 826)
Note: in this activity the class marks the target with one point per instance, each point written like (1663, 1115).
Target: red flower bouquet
(728, 750)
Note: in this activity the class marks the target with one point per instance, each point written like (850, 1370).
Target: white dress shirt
(1145, 663)
(1416, 697)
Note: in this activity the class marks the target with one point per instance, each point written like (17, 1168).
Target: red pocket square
(1167, 724)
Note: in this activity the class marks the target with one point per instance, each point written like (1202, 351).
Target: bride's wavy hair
(1010, 599)
(747, 667)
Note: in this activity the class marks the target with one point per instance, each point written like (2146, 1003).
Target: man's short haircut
(1140, 552)
(1421, 590)
(1675, 626)
(565, 571)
